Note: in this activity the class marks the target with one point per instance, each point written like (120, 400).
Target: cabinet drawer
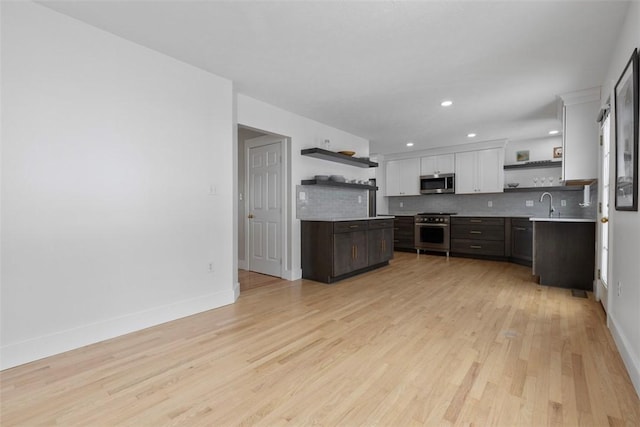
(403, 241)
(380, 223)
(478, 247)
(478, 232)
(476, 220)
(521, 222)
(348, 226)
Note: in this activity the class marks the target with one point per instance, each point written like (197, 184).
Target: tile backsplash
(315, 201)
(509, 203)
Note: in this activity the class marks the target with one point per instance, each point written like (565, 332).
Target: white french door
(603, 213)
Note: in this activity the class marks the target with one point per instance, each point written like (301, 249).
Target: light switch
(302, 195)
(563, 203)
(529, 203)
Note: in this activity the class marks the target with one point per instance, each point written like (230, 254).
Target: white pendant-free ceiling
(381, 69)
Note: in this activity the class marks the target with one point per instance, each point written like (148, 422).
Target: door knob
(250, 216)
(604, 219)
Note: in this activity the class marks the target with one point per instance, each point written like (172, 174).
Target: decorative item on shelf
(322, 177)
(522, 156)
(557, 152)
(512, 184)
(347, 153)
(337, 178)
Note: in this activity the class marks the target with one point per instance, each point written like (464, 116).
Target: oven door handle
(432, 225)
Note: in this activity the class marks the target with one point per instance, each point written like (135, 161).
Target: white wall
(304, 133)
(624, 309)
(539, 149)
(109, 152)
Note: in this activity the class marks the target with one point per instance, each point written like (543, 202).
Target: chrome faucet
(551, 208)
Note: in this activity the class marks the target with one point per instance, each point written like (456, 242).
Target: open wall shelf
(331, 156)
(534, 165)
(339, 184)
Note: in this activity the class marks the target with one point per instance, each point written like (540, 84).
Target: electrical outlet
(619, 288)
(563, 203)
(241, 197)
(359, 199)
(528, 203)
(490, 203)
(401, 204)
(302, 195)
(212, 189)
(211, 269)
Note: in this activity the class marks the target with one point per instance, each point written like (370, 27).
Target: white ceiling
(380, 69)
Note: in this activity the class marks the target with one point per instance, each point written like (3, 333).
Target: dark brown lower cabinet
(404, 233)
(349, 252)
(380, 243)
(335, 250)
(521, 241)
(482, 237)
(564, 254)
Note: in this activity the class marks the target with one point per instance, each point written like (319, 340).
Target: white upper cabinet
(580, 135)
(403, 177)
(480, 171)
(435, 165)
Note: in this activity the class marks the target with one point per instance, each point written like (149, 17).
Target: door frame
(602, 292)
(284, 143)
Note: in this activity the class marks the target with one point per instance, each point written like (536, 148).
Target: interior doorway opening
(263, 205)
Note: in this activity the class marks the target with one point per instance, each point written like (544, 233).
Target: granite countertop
(362, 218)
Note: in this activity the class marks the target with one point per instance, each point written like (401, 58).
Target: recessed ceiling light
(409, 144)
(471, 135)
(554, 132)
(446, 103)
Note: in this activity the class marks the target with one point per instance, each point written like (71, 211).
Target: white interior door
(603, 224)
(264, 168)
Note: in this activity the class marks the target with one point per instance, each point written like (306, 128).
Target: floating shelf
(331, 156)
(532, 189)
(534, 165)
(339, 184)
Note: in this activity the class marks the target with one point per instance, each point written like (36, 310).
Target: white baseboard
(292, 274)
(630, 360)
(236, 291)
(47, 345)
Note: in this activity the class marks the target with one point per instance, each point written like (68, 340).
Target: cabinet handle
(356, 248)
(475, 232)
(353, 226)
(520, 228)
(475, 220)
(353, 252)
(475, 247)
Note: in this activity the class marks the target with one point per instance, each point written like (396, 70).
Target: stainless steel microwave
(438, 184)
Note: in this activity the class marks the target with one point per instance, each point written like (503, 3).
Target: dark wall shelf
(531, 189)
(331, 156)
(339, 184)
(534, 165)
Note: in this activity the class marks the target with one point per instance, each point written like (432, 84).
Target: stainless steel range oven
(432, 232)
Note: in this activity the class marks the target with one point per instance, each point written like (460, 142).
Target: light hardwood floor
(426, 341)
